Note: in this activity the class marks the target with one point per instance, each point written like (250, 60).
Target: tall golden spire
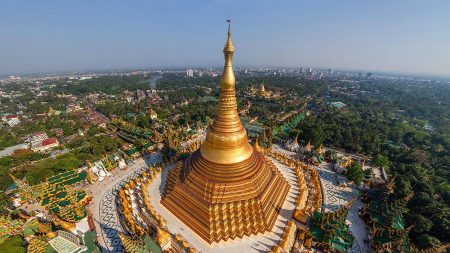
(226, 139)
(226, 189)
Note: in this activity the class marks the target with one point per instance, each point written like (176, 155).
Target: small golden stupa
(162, 237)
(226, 189)
(262, 90)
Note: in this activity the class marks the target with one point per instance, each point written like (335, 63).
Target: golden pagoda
(262, 90)
(152, 114)
(53, 112)
(308, 147)
(226, 189)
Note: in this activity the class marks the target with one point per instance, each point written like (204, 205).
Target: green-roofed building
(287, 126)
(329, 232)
(253, 130)
(387, 227)
(67, 178)
(140, 138)
(60, 199)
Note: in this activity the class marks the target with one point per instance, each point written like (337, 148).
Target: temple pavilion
(289, 121)
(61, 199)
(293, 145)
(329, 231)
(387, 227)
(141, 139)
(58, 195)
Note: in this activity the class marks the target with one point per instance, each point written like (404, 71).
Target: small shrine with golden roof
(293, 145)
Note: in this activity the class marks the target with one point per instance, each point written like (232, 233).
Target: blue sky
(407, 36)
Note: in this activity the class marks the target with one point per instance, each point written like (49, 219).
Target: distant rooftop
(338, 104)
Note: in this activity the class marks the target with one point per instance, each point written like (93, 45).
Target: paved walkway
(257, 243)
(336, 196)
(103, 206)
(9, 150)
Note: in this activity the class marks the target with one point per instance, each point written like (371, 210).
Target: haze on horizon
(391, 36)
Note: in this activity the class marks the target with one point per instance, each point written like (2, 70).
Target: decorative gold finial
(257, 146)
(226, 139)
(296, 139)
(228, 50)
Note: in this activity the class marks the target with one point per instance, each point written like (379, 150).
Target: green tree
(5, 179)
(355, 172)
(5, 202)
(6, 162)
(381, 161)
(421, 224)
(12, 244)
(6, 139)
(425, 241)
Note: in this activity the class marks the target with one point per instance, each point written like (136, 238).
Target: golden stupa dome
(185, 244)
(178, 238)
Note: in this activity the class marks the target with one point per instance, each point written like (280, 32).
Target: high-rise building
(227, 188)
(190, 73)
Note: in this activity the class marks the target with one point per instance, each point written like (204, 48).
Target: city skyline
(402, 37)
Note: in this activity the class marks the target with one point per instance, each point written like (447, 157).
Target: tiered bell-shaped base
(225, 201)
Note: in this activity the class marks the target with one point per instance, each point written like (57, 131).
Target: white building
(36, 138)
(190, 73)
(45, 145)
(13, 122)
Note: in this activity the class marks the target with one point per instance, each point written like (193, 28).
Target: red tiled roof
(11, 116)
(49, 141)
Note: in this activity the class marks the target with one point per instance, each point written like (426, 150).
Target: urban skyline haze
(389, 36)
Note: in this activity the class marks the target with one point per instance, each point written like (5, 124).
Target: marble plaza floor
(255, 243)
